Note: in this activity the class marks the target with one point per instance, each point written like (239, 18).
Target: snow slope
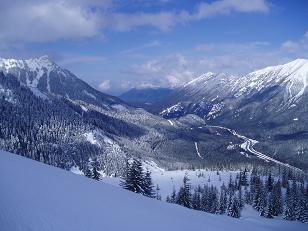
(39, 197)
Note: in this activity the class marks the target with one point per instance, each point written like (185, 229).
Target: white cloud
(231, 47)
(299, 47)
(104, 85)
(51, 20)
(168, 71)
(37, 21)
(234, 58)
(290, 46)
(223, 7)
(165, 20)
(306, 35)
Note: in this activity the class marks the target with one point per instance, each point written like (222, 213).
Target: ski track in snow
(197, 150)
(248, 146)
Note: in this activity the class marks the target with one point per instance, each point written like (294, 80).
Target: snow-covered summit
(43, 76)
(295, 68)
(282, 86)
(292, 76)
(35, 64)
(205, 77)
(30, 71)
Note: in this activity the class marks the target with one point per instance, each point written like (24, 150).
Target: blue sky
(116, 45)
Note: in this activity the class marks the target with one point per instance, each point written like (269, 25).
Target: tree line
(269, 196)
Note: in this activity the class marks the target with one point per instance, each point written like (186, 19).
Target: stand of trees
(139, 181)
(265, 194)
(93, 172)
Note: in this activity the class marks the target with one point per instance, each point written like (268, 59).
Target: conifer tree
(289, 213)
(133, 179)
(196, 200)
(126, 181)
(173, 196)
(184, 195)
(222, 201)
(277, 197)
(96, 175)
(284, 178)
(247, 197)
(269, 211)
(88, 173)
(157, 193)
(148, 185)
(269, 183)
(263, 200)
(234, 210)
(256, 201)
(240, 198)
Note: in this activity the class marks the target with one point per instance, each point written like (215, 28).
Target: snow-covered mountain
(38, 197)
(44, 77)
(269, 105)
(50, 115)
(211, 90)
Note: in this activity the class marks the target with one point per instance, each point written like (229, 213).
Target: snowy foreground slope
(37, 197)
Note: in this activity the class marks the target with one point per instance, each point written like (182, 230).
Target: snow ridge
(31, 69)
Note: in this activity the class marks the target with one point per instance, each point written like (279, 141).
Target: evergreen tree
(88, 173)
(256, 193)
(196, 200)
(126, 181)
(96, 175)
(133, 179)
(289, 213)
(173, 196)
(234, 209)
(277, 197)
(157, 193)
(222, 200)
(284, 178)
(247, 197)
(269, 183)
(240, 198)
(269, 211)
(148, 185)
(184, 195)
(263, 200)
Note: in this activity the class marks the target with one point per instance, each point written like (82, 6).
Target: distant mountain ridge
(145, 97)
(292, 78)
(269, 105)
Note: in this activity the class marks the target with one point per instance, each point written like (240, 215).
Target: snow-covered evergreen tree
(157, 193)
(133, 179)
(88, 172)
(289, 212)
(234, 209)
(148, 185)
(277, 197)
(184, 194)
(96, 175)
